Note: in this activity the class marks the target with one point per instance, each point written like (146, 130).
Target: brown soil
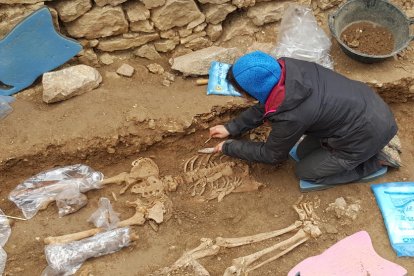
(368, 38)
(127, 118)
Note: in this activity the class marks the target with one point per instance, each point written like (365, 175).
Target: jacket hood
(298, 87)
(257, 73)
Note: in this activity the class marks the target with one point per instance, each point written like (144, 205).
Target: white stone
(99, 22)
(69, 10)
(69, 82)
(125, 70)
(198, 63)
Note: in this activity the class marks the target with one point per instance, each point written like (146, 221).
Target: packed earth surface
(128, 118)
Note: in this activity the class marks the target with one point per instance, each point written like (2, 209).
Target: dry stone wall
(149, 28)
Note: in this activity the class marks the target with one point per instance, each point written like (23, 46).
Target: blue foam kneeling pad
(396, 202)
(307, 186)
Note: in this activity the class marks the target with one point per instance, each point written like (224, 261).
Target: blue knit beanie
(257, 73)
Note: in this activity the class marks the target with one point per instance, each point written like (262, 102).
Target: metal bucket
(379, 12)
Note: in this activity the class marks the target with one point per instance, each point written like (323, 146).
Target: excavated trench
(237, 215)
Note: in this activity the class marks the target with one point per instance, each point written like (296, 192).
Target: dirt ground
(127, 118)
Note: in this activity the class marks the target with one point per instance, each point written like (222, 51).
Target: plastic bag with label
(217, 82)
(396, 202)
(5, 232)
(105, 217)
(67, 258)
(38, 191)
(301, 37)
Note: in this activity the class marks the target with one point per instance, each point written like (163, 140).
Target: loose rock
(106, 59)
(155, 68)
(125, 70)
(147, 51)
(69, 82)
(198, 63)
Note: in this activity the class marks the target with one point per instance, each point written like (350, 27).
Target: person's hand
(219, 147)
(219, 131)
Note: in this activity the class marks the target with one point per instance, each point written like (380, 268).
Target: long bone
(137, 219)
(234, 242)
(189, 259)
(241, 266)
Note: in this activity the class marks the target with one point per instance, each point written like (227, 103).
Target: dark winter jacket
(349, 118)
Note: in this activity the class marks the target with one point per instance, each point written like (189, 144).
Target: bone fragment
(117, 179)
(206, 150)
(234, 242)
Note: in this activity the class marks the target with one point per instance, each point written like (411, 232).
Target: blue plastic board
(217, 83)
(396, 202)
(32, 48)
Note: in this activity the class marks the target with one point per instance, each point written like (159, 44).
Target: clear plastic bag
(70, 201)
(301, 37)
(5, 108)
(66, 259)
(38, 191)
(5, 232)
(105, 217)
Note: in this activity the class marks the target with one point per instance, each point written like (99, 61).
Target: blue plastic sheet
(396, 202)
(217, 83)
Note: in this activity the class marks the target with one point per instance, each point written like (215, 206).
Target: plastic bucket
(379, 12)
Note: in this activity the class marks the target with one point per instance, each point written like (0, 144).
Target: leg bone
(241, 265)
(137, 219)
(234, 242)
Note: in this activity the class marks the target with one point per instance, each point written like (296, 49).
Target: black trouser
(318, 164)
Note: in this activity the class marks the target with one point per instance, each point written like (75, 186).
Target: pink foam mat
(353, 255)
